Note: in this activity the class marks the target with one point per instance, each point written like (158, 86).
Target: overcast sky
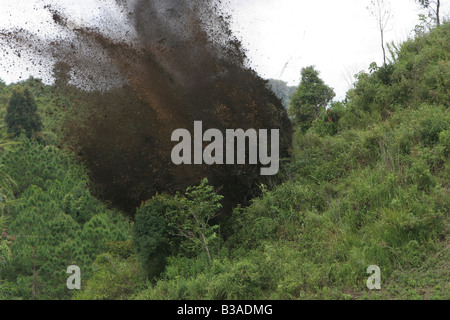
(338, 37)
(281, 36)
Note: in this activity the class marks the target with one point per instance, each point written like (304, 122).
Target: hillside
(367, 184)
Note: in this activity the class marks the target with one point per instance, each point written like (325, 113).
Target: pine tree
(312, 96)
(21, 113)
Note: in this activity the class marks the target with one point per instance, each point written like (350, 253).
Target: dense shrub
(150, 237)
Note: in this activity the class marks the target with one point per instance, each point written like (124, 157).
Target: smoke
(141, 70)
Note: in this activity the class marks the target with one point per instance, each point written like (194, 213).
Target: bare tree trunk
(382, 46)
(438, 9)
(206, 247)
(381, 11)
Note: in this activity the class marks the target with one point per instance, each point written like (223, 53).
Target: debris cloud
(144, 69)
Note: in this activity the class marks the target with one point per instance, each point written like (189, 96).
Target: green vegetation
(21, 114)
(56, 222)
(312, 97)
(367, 185)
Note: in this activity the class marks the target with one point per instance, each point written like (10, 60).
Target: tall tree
(198, 207)
(312, 96)
(434, 8)
(382, 13)
(21, 113)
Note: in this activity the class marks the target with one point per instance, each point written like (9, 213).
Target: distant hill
(282, 91)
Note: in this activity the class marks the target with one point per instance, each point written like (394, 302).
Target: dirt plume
(129, 91)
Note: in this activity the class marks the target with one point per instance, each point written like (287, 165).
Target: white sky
(338, 37)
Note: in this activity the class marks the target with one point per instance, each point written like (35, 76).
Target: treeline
(49, 219)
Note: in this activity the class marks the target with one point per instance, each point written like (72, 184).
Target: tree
(434, 8)
(21, 113)
(150, 238)
(312, 96)
(381, 11)
(191, 220)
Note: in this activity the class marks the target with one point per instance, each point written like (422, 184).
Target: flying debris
(133, 81)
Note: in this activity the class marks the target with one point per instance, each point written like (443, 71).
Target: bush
(114, 278)
(150, 237)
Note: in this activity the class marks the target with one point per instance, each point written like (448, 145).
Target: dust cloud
(128, 85)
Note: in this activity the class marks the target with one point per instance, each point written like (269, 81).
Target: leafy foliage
(56, 222)
(22, 113)
(150, 237)
(311, 97)
(367, 184)
(196, 209)
(116, 277)
(180, 224)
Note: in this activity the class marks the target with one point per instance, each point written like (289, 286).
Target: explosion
(161, 66)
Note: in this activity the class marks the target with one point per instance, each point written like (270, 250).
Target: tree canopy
(22, 113)
(312, 96)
